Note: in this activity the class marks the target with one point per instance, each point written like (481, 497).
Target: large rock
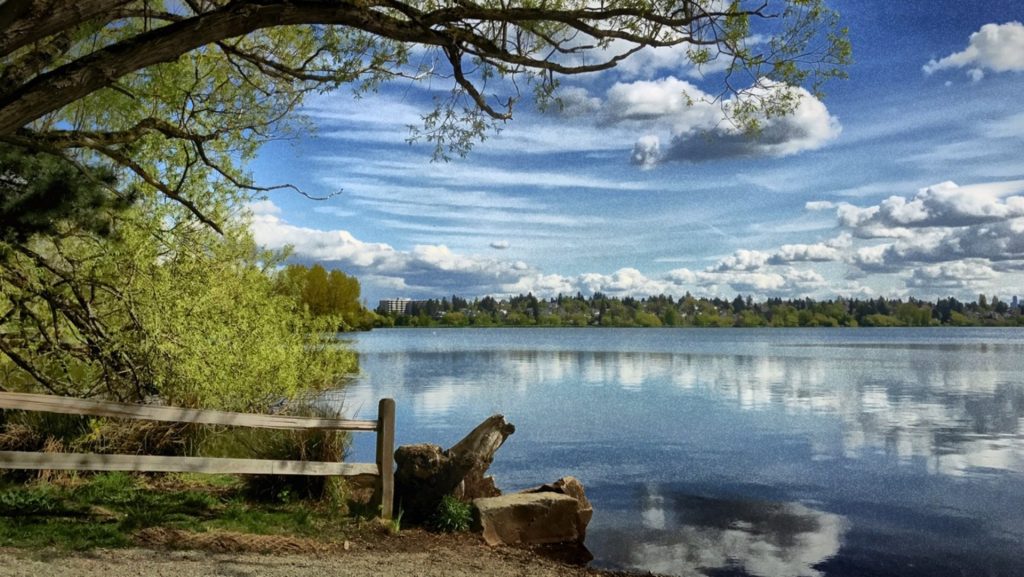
(553, 513)
(572, 487)
(528, 519)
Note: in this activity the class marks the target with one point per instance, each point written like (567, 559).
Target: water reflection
(724, 454)
(685, 534)
(955, 413)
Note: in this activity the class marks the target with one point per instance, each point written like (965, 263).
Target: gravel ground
(412, 555)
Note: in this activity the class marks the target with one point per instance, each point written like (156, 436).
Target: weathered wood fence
(382, 470)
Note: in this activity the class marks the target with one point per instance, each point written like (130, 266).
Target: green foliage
(394, 525)
(39, 190)
(452, 515)
(331, 296)
(187, 315)
(15, 503)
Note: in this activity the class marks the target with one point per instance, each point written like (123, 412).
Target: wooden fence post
(386, 456)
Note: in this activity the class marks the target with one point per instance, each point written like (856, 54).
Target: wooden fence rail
(382, 470)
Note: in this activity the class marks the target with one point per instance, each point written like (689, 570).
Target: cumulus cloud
(721, 280)
(959, 275)
(941, 205)
(762, 282)
(652, 61)
(741, 260)
(995, 47)
(944, 230)
(264, 207)
(625, 281)
(752, 260)
(577, 101)
(699, 128)
(819, 252)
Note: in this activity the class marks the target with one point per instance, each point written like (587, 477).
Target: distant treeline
(689, 311)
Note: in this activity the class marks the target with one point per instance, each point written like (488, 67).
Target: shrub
(452, 515)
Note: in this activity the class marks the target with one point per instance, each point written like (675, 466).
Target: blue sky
(906, 179)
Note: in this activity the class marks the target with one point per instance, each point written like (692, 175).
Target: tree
(315, 293)
(107, 80)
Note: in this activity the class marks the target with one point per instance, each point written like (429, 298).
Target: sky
(906, 179)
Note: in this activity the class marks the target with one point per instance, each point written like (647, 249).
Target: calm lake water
(739, 452)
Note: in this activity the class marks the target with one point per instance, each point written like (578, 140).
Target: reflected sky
(739, 452)
(687, 534)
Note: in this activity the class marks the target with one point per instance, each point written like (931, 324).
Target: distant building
(397, 306)
(1014, 302)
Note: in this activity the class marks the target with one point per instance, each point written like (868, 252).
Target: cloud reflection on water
(705, 451)
(954, 412)
(685, 534)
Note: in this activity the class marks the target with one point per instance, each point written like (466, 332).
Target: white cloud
(700, 128)
(625, 281)
(542, 285)
(819, 205)
(941, 205)
(263, 207)
(995, 47)
(741, 260)
(432, 269)
(577, 101)
(819, 252)
(957, 275)
(788, 281)
(500, 244)
(677, 103)
(721, 280)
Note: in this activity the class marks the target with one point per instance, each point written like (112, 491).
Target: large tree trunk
(426, 473)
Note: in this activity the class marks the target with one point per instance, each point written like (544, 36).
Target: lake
(735, 452)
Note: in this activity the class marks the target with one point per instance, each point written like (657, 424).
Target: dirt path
(413, 554)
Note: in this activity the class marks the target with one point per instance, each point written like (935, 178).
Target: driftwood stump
(426, 473)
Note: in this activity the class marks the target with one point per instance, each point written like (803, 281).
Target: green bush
(452, 516)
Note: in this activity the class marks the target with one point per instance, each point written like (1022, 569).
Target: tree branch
(31, 20)
(442, 27)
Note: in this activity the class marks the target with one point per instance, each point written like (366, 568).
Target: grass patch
(106, 510)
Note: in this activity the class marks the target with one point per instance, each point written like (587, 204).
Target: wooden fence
(382, 470)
